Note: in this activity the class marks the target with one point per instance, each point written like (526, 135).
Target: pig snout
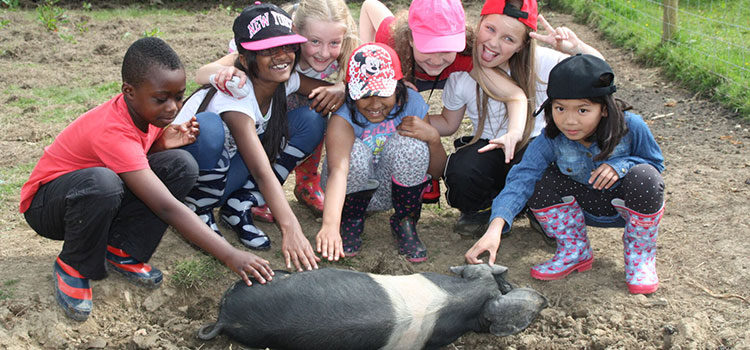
(511, 313)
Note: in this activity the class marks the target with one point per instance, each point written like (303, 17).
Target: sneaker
(473, 225)
(134, 270)
(431, 193)
(72, 291)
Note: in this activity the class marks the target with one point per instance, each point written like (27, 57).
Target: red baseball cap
(526, 15)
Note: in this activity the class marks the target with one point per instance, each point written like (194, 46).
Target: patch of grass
(60, 103)
(4, 23)
(6, 292)
(708, 55)
(195, 272)
(11, 180)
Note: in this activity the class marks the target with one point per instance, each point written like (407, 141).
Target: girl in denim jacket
(594, 164)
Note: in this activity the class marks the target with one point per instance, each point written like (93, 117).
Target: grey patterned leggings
(403, 158)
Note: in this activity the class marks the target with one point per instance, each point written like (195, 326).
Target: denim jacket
(638, 146)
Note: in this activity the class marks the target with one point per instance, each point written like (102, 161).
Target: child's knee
(306, 128)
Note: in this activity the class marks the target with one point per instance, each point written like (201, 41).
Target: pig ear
(498, 269)
(511, 313)
(458, 270)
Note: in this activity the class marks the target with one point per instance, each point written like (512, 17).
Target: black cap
(263, 26)
(578, 77)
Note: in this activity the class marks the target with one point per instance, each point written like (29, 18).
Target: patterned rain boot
(134, 270)
(237, 215)
(208, 190)
(639, 243)
(307, 189)
(567, 224)
(72, 291)
(353, 218)
(407, 205)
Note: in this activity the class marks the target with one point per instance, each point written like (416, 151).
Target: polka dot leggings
(642, 188)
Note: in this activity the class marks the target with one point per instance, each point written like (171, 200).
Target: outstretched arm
(295, 247)
(338, 150)
(149, 189)
(563, 39)
(503, 88)
(490, 242)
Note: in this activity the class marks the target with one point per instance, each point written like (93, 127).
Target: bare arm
(489, 242)
(295, 247)
(563, 39)
(412, 126)
(224, 70)
(448, 121)
(503, 88)
(338, 150)
(149, 189)
(371, 14)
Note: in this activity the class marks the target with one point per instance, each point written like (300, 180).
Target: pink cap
(438, 25)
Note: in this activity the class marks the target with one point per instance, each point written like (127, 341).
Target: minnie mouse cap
(438, 25)
(526, 15)
(262, 26)
(578, 77)
(374, 70)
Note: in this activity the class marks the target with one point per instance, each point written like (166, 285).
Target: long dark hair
(401, 100)
(276, 134)
(611, 128)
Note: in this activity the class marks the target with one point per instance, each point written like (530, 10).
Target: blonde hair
(523, 73)
(329, 11)
(401, 36)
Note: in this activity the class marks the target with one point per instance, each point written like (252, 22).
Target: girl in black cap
(248, 145)
(606, 171)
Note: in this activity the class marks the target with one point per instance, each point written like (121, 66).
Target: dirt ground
(703, 301)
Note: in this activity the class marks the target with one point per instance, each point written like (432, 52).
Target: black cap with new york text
(263, 26)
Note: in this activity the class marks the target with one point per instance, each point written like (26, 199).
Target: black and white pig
(342, 309)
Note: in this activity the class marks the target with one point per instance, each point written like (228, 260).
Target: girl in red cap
(506, 45)
(374, 163)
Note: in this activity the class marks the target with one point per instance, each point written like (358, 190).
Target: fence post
(669, 22)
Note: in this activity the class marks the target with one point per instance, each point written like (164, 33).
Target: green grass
(193, 272)
(6, 292)
(11, 180)
(710, 53)
(60, 103)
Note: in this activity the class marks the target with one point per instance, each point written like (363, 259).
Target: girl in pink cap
(374, 163)
(433, 41)
(331, 33)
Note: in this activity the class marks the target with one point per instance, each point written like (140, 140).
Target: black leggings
(642, 189)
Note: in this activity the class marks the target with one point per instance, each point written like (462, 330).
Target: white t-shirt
(460, 90)
(221, 103)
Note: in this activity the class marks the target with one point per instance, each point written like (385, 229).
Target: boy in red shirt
(112, 181)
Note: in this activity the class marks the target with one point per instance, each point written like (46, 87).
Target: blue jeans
(306, 129)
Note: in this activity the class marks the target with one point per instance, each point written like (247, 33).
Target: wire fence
(704, 42)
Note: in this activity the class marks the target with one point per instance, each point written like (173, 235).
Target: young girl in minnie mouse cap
(374, 162)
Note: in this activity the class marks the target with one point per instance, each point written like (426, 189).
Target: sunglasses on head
(271, 51)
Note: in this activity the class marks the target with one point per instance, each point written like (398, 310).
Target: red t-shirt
(102, 137)
(461, 64)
